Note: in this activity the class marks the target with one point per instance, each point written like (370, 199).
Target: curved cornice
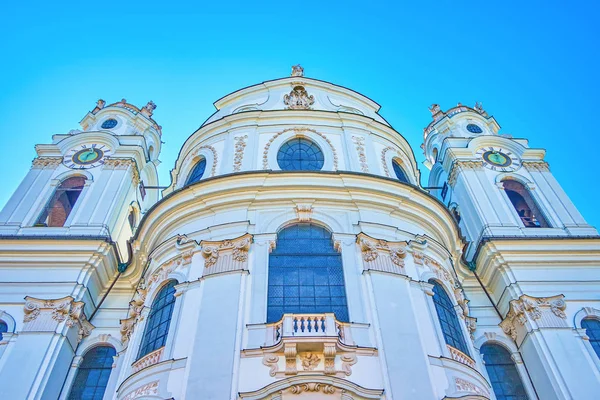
(253, 189)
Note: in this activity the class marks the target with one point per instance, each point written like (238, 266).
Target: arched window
(592, 330)
(93, 373)
(62, 202)
(3, 328)
(300, 154)
(448, 319)
(157, 327)
(503, 374)
(305, 274)
(524, 204)
(197, 172)
(400, 174)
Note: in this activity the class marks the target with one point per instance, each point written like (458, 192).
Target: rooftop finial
(479, 107)
(434, 109)
(149, 108)
(297, 70)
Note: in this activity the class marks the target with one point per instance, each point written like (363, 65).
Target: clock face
(499, 159)
(86, 156)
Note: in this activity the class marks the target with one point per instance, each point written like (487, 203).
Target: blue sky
(534, 65)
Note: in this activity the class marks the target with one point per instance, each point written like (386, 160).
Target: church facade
(296, 255)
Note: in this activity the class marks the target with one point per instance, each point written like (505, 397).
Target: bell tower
(495, 184)
(89, 182)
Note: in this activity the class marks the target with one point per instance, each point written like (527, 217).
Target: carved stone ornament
(124, 163)
(459, 166)
(271, 361)
(304, 212)
(312, 387)
(381, 255)
(297, 70)
(384, 159)
(149, 389)
(298, 99)
(536, 165)
(54, 315)
(43, 162)
(359, 141)
(309, 361)
(466, 386)
(240, 145)
(226, 255)
(136, 305)
(299, 132)
(528, 313)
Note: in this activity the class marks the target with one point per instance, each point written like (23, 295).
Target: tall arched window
(524, 204)
(400, 174)
(62, 202)
(300, 154)
(305, 274)
(503, 374)
(592, 329)
(3, 328)
(157, 327)
(448, 320)
(93, 373)
(197, 172)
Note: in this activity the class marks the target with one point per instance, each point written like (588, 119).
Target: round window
(300, 154)
(109, 123)
(474, 128)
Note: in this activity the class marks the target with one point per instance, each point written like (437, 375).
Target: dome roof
(296, 92)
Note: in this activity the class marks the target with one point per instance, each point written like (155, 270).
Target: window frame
(144, 343)
(301, 140)
(513, 364)
(53, 189)
(193, 171)
(82, 366)
(460, 343)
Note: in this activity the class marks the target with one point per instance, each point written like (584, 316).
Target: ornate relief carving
(42, 162)
(309, 361)
(348, 360)
(466, 386)
(329, 351)
(299, 131)
(458, 166)
(381, 255)
(240, 145)
(461, 357)
(384, 161)
(536, 165)
(418, 257)
(136, 305)
(312, 387)
(213, 170)
(528, 313)
(298, 99)
(149, 389)
(226, 255)
(304, 212)
(471, 326)
(47, 315)
(290, 352)
(359, 141)
(148, 360)
(271, 361)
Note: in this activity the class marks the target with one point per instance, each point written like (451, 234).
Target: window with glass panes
(448, 318)
(503, 374)
(93, 373)
(305, 274)
(592, 330)
(159, 319)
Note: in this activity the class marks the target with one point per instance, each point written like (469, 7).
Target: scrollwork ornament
(348, 360)
(271, 360)
(211, 254)
(397, 256)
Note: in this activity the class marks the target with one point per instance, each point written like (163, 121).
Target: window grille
(300, 154)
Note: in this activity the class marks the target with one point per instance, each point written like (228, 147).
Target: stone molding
(54, 315)
(359, 142)
(298, 131)
(461, 357)
(528, 313)
(459, 166)
(240, 145)
(226, 255)
(536, 166)
(43, 162)
(148, 360)
(381, 255)
(213, 170)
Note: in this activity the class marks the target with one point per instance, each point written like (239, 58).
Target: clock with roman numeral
(86, 156)
(499, 159)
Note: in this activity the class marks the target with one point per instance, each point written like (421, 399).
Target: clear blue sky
(534, 65)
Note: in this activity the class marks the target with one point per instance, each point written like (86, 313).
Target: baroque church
(296, 255)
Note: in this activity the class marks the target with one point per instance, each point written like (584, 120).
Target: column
(38, 364)
(539, 327)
